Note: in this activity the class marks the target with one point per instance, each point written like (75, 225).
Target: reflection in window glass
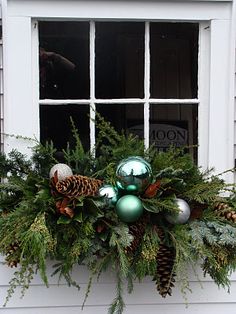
(119, 59)
(174, 125)
(174, 60)
(64, 60)
(127, 117)
(55, 124)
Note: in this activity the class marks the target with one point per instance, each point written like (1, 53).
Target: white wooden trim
(173, 101)
(122, 9)
(92, 86)
(118, 101)
(146, 84)
(4, 62)
(232, 90)
(203, 94)
(64, 101)
(20, 116)
(219, 119)
(35, 78)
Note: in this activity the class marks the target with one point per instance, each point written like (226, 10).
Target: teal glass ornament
(182, 216)
(129, 208)
(134, 174)
(110, 194)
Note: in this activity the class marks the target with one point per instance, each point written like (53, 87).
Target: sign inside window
(163, 135)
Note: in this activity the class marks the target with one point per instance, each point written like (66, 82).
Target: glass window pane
(64, 60)
(174, 125)
(119, 59)
(174, 60)
(55, 124)
(127, 117)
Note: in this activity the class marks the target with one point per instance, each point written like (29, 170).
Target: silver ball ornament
(134, 174)
(63, 171)
(182, 216)
(110, 194)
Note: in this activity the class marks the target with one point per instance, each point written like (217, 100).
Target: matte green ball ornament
(134, 174)
(129, 208)
(110, 194)
(182, 216)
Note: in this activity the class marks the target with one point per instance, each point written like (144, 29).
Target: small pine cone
(164, 276)
(137, 230)
(226, 211)
(78, 185)
(11, 256)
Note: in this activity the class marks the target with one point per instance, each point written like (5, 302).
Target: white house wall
(1, 96)
(205, 299)
(20, 99)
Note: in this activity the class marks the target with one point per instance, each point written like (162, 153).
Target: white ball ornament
(63, 171)
(182, 216)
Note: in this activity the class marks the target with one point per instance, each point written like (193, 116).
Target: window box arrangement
(133, 211)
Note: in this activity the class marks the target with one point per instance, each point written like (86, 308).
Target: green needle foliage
(33, 230)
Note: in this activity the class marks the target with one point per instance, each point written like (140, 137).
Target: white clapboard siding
(235, 108)
(1, 93)
(205, 298)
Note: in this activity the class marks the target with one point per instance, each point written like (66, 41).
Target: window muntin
(118, 82)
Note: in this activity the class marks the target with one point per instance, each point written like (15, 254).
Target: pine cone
(11, 257)
(165, 261)
(137, 230)
(226, 211)
(77, 185)
(165, 277)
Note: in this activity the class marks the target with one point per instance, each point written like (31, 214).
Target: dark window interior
(119, 60)
(55, 124)
(64, 60)
(174, 60)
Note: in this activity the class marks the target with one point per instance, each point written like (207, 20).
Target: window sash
(93, 101)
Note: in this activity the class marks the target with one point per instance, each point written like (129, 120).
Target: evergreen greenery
(32, 230)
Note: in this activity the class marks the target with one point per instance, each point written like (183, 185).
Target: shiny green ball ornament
(110, 194)
(134, 174)
(129, 208)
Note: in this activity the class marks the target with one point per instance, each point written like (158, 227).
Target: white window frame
(215, 120)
